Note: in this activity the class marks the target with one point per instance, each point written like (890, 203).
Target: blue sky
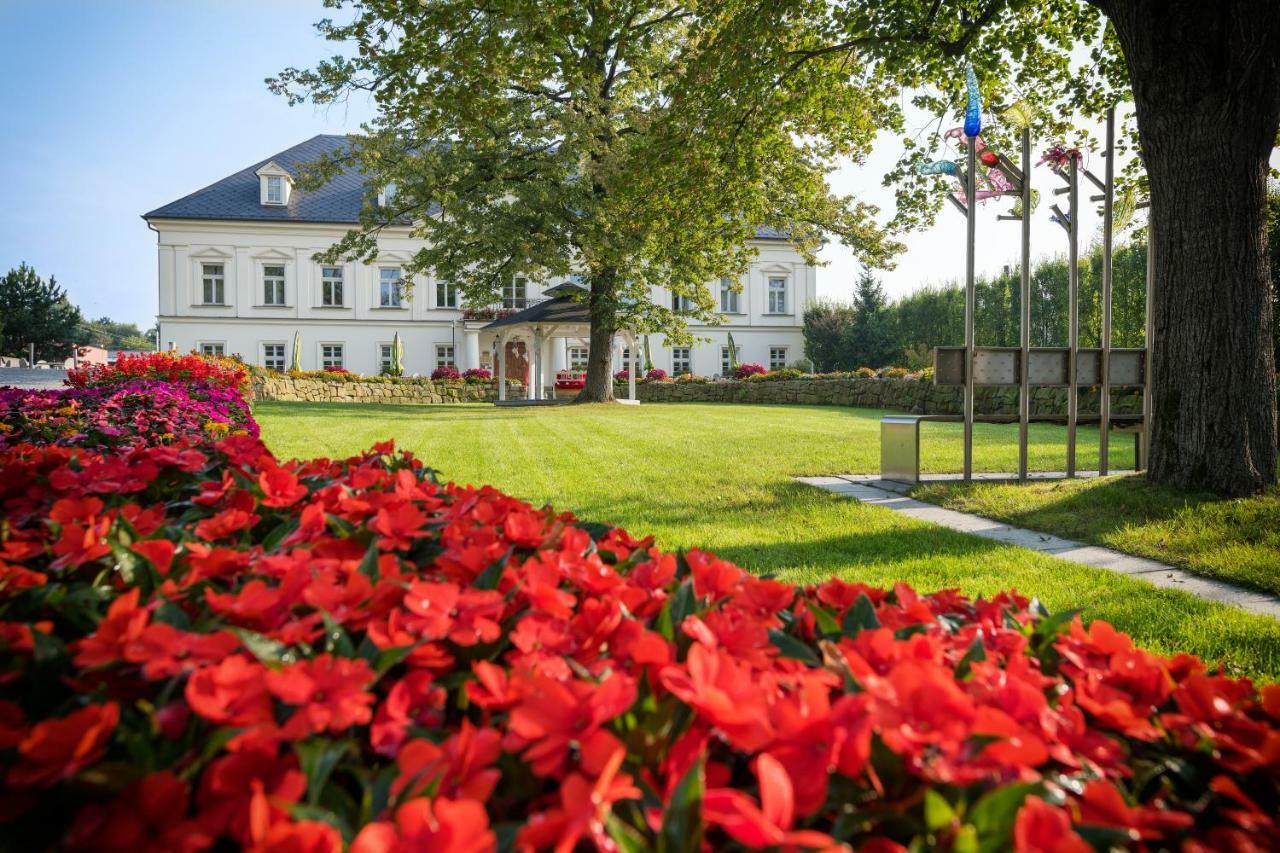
(113, 109)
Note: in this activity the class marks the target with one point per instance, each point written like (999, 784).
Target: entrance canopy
(564, 315)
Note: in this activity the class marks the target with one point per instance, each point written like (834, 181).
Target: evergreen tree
(869, 340)
(33, 310)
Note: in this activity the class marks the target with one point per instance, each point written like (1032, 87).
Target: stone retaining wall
(900, 394)
(302, 389)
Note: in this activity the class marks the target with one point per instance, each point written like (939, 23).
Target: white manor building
(237, 276)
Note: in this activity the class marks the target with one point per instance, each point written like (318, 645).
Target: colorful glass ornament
(989, 157)
(973, 106)
(937, 167)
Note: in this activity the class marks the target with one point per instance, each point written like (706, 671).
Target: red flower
(247, 787)
(232, 692)
(584, 808)
(441, 826)
(553, 716)
(280, 488)
(331, 694)
(225, 523)
(461, 767)
(58, 748)
(123, 624)
(771, 823)
(1103, 805)
(399, 527)
(149, 815)
(1042, 828)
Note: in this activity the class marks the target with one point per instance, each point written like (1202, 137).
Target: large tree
(544, 137)
(36, 311)
(1204, 78)
(869, 339)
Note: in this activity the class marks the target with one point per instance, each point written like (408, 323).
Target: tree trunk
(603, 303)
(1206, 84)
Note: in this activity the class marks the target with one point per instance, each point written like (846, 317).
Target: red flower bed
(167, 366)
(204, 646)
(446, 374)
(742, 371)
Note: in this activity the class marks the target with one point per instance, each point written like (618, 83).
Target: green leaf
(388, 658)
(682, 827)
(318, 757)
(976, 652)
(826, 621)
(862, 615)
(336, 640)
(628, 839)
(966, 840)
(938, 813)
(993, 815)
(369, 563)
(790, 647)
(272, 540)
(488, 579)
(683, 604)
(271, 652)
(1054, 625)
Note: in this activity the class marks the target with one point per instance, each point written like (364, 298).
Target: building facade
(237, 275)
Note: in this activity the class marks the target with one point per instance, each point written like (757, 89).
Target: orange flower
(440, 825)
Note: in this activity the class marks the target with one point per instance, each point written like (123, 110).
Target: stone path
(892, 495)
(24, 377)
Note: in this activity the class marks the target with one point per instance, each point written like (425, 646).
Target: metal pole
(1104, 360)
(1149, 344)
(970, 301)
(1024, 334)
(1073, 311)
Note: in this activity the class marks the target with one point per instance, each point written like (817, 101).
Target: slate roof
(562, 309)
(237, 197)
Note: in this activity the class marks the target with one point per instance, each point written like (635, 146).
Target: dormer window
(275, 185)
(388, 195)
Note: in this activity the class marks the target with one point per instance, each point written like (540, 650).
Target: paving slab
(891, 494)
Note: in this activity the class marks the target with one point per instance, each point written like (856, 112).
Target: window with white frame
(275, 189)
(578, 358)
(213, 282)
(680, 304)
(273, 284)
(390, 285)
(516, 293)
(444, 355)
(777, 295)
(726, 363)
(446, 294)
(331, 281)
(777, 357)
(728, 297)
(273, 356)
(680, 361)
(626, 359)
(385, 357)
(213, 348)
(332, 356)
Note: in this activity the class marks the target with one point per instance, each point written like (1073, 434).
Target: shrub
(477, 374)
(864, 373)
(167, 366)
(621, 376)
(893, 372)
(656, 374)
(783, 373)
(742, 371)
(687, 378)
(446, 374)
(205, 647)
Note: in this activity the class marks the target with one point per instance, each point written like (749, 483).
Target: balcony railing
(501, 308)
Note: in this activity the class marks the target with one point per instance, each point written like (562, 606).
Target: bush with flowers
(477, 374)
(203, 647)
(165, 366)
(446, 374)
(742, 371)
(656, 374)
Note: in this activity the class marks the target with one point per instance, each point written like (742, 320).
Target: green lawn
(1237, 540)
(719, 477)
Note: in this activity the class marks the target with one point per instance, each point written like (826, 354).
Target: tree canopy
(33, 310)
(544, 138)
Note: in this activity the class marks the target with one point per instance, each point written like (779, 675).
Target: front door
(517, 356)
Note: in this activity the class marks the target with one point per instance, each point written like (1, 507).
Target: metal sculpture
(1027, 367)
